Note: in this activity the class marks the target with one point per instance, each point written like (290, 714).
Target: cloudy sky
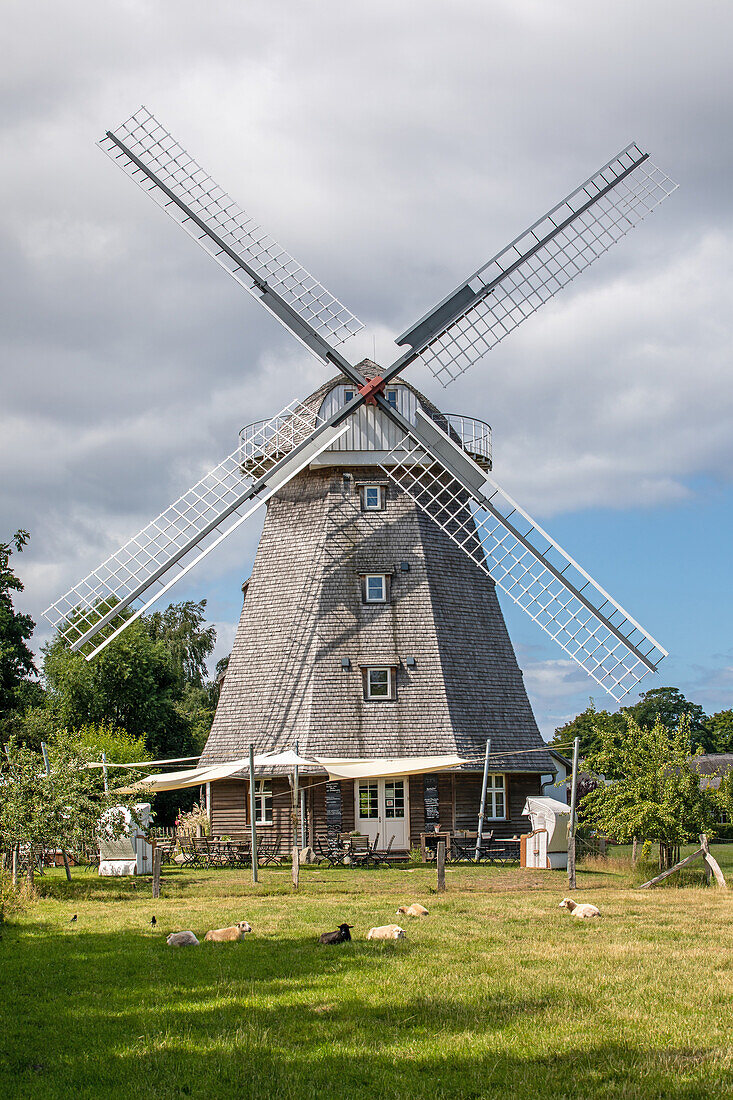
(392, 148)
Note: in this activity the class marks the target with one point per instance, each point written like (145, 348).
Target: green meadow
(497, 993)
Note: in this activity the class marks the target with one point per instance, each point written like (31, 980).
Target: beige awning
(383, 767)
(190, 777)
(337, 768)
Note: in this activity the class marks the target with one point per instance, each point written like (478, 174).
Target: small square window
(379, 683)
(391, 396)
(375, 588)
(348, 396)
(372, 498)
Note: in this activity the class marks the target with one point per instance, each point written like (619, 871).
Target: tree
(591, 726)
(656, 794)
(17, 665)
(118, 746)
(719, 731)
(668, 705)
(58, 808)
(180, 628)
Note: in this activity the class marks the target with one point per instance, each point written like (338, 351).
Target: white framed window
(391, 396)
(372, 498)
(263, 802)
(348, 396)
(496, 796)
(375, 588)
(379, 683)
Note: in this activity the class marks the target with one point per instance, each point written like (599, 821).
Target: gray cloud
(392, 149)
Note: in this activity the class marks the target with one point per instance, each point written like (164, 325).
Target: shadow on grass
(121, 1014)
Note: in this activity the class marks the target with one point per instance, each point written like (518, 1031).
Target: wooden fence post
(571, 824)
(440, 860)
(16, 853)
(296, 866)
(156, 870)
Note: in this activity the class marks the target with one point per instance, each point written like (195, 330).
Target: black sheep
(341, 934)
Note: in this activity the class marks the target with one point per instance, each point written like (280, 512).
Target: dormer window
(372, 498)
(348, 396)
(391, 396)
(375, 587)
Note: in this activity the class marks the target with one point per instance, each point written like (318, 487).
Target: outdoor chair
(382, 858)
(188, 852)
(331, 849)
(359, 851)
(268, 849)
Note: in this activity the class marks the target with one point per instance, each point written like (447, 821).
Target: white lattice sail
(142, 570)
(528, 565)
(148, 153)
(537, 264)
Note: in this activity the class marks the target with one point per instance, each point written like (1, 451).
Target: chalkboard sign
(333, 804)
(432, 800)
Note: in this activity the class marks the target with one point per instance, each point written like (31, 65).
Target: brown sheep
(414, 910)
(234, 932)
(386, 932)
(580, 909)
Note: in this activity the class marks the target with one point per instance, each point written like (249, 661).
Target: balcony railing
(266, 441)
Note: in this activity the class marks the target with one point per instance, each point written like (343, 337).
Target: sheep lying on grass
(182, 939)
(234, 932)
(414, 910)
(386, 932)
(341, 935)
(580, 909)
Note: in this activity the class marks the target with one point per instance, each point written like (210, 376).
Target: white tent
(381, 768)
(549, 844)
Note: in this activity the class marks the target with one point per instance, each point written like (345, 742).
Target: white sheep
(234, 932)
(386, 932)
(182, 939)
(414, 910)
(580, 909)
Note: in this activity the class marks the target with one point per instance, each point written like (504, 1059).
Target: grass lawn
(497, 993)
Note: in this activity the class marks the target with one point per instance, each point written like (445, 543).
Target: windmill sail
(142, 570)
(533, 267)
(523, 560)
(153, 158)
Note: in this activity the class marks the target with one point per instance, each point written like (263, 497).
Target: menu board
(333, 803)
(431, 799)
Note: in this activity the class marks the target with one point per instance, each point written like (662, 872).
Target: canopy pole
(482, 810)
(252, 811)
(104, 771)
(571, 823)
(296, 777)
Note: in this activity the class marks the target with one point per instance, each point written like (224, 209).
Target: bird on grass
(73, 919)
(153, 922)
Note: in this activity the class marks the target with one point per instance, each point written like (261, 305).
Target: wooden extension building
(366, 633)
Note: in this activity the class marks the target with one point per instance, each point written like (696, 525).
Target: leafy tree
(181, 629)
(16, 658)
(656, 794)
(592, 727)
(719, 731)
(119, 746)
(58, 809)
(668, 705)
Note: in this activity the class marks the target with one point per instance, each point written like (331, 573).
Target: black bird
(72, 919)
(339, 936)
(153, 922)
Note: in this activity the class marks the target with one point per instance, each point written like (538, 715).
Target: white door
(382, 807)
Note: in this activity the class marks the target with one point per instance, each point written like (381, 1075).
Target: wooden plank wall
(468, 801)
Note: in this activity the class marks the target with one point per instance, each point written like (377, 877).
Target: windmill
(428, 463)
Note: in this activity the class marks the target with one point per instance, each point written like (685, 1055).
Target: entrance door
(382, 807)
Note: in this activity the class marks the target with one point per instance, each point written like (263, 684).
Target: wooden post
(571, 823)
(711, 864)
(31, 866)
(252, 811)
(671, 870)
(104, 771)
(296, 865)
(16, 852)
(483, 801)
(440, 860)
(156, 870)
(633, 852)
